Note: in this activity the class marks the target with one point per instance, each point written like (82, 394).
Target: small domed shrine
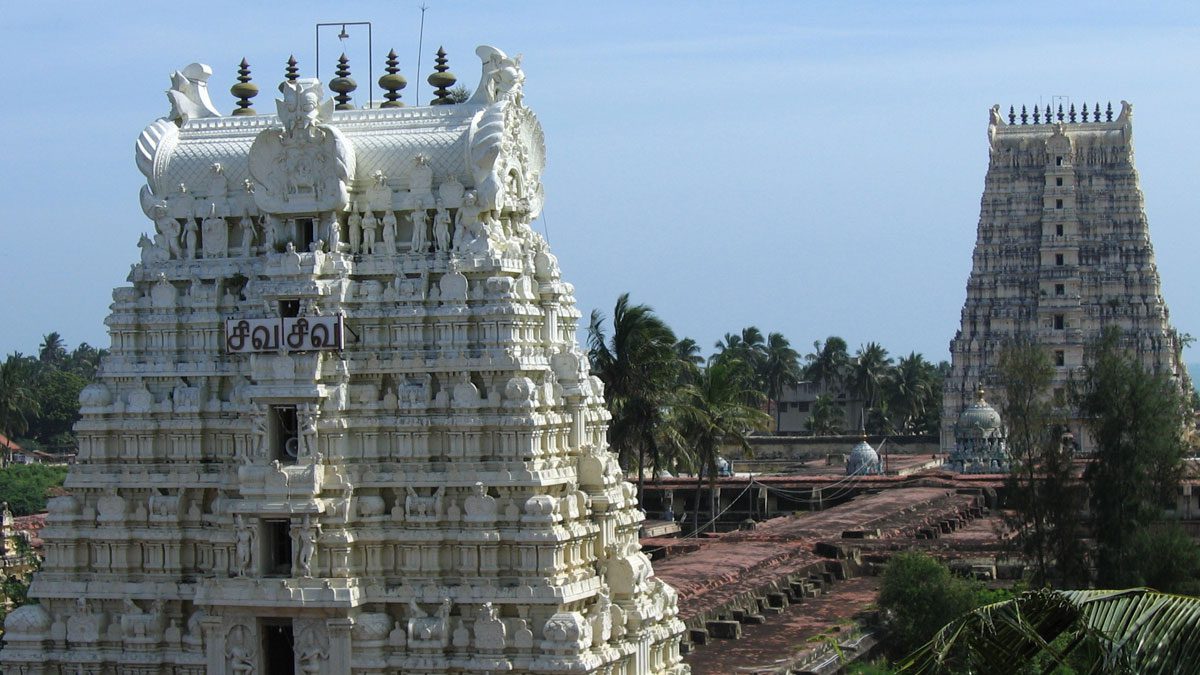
(863, 460)
(345, 425)
(980, 444)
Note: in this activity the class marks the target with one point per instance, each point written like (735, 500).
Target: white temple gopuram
(1062, 251)
(345, 425)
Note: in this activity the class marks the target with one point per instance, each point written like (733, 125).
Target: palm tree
(828, 363)
(867, 373)
(638, 366)
(713, 413)
(909, 391)
(690, 359)
(52, 350)
(17, 402)
(1131, 631)
(780, 368)
(825, 418)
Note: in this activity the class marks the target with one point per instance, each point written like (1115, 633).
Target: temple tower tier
(345, 425)
(1062, 252)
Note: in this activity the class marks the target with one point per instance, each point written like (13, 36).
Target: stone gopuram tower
(345, 425)
(1062, 252)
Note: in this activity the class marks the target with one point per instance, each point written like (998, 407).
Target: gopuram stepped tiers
(345, 425)
(1062, 252)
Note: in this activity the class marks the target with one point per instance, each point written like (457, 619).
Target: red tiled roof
(9, 444)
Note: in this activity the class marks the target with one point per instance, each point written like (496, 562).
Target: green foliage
(825, 417)
(1136, 419)
(26, 486)
(868, 372)
(1165, 558)
(39, 397)
(711, 414)
(869, 669)
(918, 596)
(1044, 498)
(18, 404)
(639, 367)
(1132, 631)
(58, 403)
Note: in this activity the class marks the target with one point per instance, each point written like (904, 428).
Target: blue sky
(809, 169)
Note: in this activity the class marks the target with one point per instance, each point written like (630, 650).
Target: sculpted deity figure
(490, 632)
(306, 551)
(466, 222)
(465, 392)
(333, 229)
(389, 232)
(168, 227)
(480, 507)
(308, 431)
(441, 229)
(379, 195)
(369, 226)
(420, 225)
(190, 238)
(248, 233)
(243, 546)
(271, 232)
(261, 431)
(356, 230)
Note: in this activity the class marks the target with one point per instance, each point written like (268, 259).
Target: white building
(344, 425)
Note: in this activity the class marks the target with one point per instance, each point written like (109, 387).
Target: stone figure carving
(389, 232)
(420, 225)
(151, 252)
(306, 165)
(379, 195)
(480, 507)
(248, 235)
(333, 230)
(188, 94)
(243, 553)
(271, 232)
(502, 77)
(239, 651)
(354, 223)
(290, 263)
(466, 222)
(306, 550)
(307, 418)
(83, 625)
(466, 394)
(429, 507)
(369, 225)
(261, 431)
(312, 644)
(490, 632)
(441, 229)
(168, 227)
(190, 238)
(429, 629)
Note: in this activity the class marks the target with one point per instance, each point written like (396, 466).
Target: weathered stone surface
(1063, 250)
